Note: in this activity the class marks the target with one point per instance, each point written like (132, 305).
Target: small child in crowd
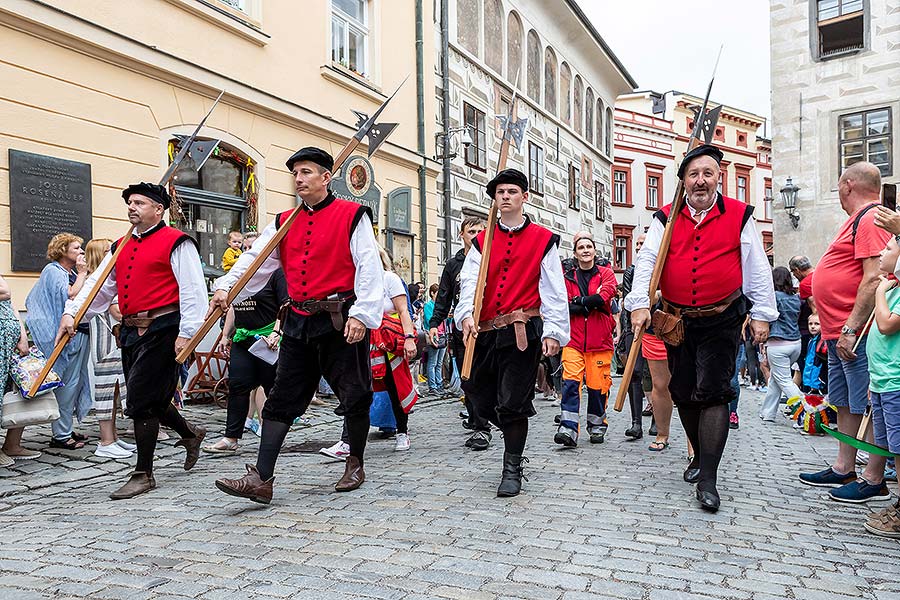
(883, 348)
(815, 370)
(235, 240)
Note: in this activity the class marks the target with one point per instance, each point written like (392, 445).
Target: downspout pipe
(445, 120)
(420, 117)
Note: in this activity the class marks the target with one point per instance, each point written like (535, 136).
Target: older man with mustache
(715, 272)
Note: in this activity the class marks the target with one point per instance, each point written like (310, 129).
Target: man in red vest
(158, 279)
(590, 288)
(524, 313)
(715, 271)
(335, 281)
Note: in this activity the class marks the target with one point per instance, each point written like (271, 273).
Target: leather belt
(517, 319)
(700, 311)
(142, 320)
(333, 306)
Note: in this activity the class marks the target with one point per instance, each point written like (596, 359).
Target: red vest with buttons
(144, 275)
(514, 271)
(315, 253)
(703, 265)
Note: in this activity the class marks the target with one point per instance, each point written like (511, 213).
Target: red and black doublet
(147, 284)
(317, 263)
(502, 382)
(703, 268)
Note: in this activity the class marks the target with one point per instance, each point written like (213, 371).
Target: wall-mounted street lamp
(789, 195)
(444, 146)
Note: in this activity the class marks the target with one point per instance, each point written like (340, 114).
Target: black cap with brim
(513, 176)
(704, 150)
(155, 192)
(312, 154)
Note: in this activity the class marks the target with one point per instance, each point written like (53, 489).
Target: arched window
(534, 66)
(550, 80)
(467, 29)
(578, 96)
(609, 131)
(565, 83)
(514, 35)
(218, 198)
(600, 124)
(493, 35)
(589, 116)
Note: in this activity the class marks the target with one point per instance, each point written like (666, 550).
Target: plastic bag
(25, 370)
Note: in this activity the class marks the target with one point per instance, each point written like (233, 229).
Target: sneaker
(6, 461)
(113, 451)
(762, 389)
(300, 422)
(339, 451)
(733, 421)
(123, 444)
(402, 442)
(827, 478)
(480, 440)
(859, 491)
(886, 523)
(566, 437)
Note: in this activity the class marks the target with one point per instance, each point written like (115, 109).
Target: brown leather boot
(250, 486)
(192, 446)
(138, 483)
(353, 475)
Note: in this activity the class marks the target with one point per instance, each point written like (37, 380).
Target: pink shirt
(840, 271)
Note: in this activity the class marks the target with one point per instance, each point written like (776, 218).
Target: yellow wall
(110, 88)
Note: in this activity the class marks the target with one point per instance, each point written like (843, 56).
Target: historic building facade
(835, 101)
(566, 79)
(115, 87)
(652, 130)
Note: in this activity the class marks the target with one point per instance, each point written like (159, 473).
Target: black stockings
(707, 429)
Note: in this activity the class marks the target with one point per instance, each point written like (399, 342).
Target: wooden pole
(486, 251)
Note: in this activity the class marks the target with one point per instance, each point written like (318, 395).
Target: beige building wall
(109, 82)
(810, 94)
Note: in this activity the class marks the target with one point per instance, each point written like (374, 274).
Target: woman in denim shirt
(783, 345)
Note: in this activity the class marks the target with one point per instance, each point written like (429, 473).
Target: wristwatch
(410, 336)
(847, 330)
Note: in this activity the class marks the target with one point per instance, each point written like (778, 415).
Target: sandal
(79, 437)
(221, 447)
(657, 446)
(69, 444)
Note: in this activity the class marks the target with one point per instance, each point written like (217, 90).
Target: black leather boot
(511, 480)
(636, 431)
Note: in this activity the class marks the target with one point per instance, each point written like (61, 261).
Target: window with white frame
(767, 203)
(350, 35)
(866, 136)
(536, 168)
(620, 187)
(621, 257)
(652, 191)
(574, 187)
(476, 152)
(742, 188)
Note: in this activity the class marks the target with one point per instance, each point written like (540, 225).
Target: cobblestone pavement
(601, 521)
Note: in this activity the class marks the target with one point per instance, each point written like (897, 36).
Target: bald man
(844, 289)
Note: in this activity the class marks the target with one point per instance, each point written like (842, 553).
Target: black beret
(313, 154)
(703, 150)
(512, 176)
(155, 192)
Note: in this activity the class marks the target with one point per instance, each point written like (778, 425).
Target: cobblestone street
(601, 521)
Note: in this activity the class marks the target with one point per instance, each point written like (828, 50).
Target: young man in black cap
(335, 281)
(159, 282)
(525, 312)
(715, 271)
(446, 299)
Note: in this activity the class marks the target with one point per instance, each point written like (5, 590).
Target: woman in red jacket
(588, 354)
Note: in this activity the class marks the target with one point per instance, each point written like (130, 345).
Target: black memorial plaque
(47, 196)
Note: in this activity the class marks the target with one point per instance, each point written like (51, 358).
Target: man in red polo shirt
(524, 314)
(844, 289)
(716, 269)
(335, 281)
(158, 279)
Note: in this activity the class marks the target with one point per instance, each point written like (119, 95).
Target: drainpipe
(445, 118)
(420, 115)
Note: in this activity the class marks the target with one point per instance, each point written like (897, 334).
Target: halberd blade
(378, 133)
(164, 180)
(708, 126)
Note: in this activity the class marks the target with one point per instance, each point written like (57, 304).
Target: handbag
(19, 411)
(668, 328)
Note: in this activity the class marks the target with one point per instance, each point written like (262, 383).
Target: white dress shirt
(368, 284)
(755, 269)
(551, 287)
(192, 298)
